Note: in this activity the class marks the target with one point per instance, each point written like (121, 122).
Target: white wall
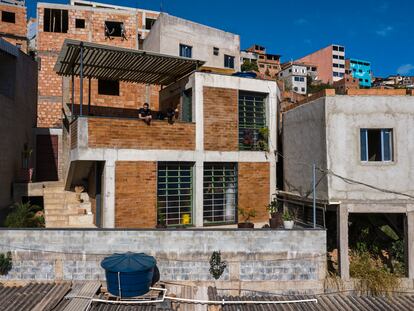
(169, 32)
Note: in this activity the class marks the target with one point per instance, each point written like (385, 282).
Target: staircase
(66, 209)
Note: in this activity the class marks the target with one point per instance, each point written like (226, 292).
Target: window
(261, 66)
(336, 65)
(55, 20)
(303, 89)
(220, 193)
(341, 66)
(187, 109)
(216, 51)
(341, 49)
(341, 57)
(108, 87)
(376, 145)
(79, 23)
(299, 79)
(228, 61)
(175, 193)
(335, 56)
(149, 22)
(295, 88)
(8, 17)
(335, 48)
(114, 29)
(186, 51)
(252, 118)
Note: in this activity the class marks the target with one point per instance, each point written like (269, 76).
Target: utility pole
(314, 194)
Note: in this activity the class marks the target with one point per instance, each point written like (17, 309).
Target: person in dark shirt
(145, 114)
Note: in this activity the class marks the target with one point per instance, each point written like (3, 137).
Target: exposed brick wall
(127, 133)
(49, 114)
(14, 33)
(74, 135)
(254, 185)
(135, 194)
(220, 119)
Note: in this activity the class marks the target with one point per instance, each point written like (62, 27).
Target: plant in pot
(275, 211)
(246, 214)
(161, 223)
(26, 171)
(288, 220)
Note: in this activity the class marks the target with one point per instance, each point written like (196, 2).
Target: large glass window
(229, 61)
(376, 145)
(175, 193)
(220, 193)
(252, 120)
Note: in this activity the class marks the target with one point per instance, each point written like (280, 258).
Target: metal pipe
(314, 194)
(81, 79)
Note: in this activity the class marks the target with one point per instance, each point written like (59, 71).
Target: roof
(326, 302)
(8, 48)
(115, 63)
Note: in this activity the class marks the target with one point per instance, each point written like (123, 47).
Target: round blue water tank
(129, 274)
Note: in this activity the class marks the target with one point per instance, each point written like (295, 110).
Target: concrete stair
(66, 209)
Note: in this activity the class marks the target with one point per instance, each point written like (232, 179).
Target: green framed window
(175, 193)
(220, 193)
(252, 118)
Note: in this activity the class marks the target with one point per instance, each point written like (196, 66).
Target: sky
(380, 31)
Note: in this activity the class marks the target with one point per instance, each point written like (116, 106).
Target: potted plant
(246, 214)
(161, 223)
(26, 171)
(288, 221)
(263, 139)
(274, 209)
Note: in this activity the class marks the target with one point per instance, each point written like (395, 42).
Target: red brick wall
(135, 194)
(220, 119)
(127, 133)
(254, 185)
(18, 28)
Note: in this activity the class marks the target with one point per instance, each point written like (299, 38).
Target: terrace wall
(135, 134)
(282, 261)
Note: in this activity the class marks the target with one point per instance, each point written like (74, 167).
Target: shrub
(372, 276)
(217, 266)
(24, 215)
(5, 263)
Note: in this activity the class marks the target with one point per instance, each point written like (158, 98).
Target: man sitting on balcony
(145, 114)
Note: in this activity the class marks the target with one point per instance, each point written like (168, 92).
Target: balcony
(131, 133)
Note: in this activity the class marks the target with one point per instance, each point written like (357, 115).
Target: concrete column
(199, 158)
(198, 193)
(108, 198)
(410, 244)
(342, 228)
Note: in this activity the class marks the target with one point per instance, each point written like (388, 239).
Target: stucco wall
(257, 259)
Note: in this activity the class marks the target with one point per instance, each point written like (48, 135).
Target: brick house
(13, 23)
(196, 171)
(88, 21)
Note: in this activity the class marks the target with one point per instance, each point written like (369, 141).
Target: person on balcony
(145, 114)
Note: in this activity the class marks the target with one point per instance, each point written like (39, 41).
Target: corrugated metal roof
(326, 302)
(8, 48)
(114, 63)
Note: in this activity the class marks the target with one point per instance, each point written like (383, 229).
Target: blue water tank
(129, 274)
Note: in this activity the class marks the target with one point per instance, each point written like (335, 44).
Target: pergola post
(81, 79)
(73, 94)
(89, 95)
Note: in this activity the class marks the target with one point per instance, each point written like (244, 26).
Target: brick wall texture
(124, 133)
(220, 119)
(135, 194)
(132, 96)
(254, 185)
(15, 33)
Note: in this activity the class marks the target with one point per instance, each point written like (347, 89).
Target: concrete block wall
(272, 260)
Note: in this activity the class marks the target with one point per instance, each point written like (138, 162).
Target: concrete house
(13, 23)
(171, 35)
(295, 77)
(359, 139)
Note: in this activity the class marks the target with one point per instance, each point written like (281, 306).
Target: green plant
(24, 215)
(274, 206)
(372, 277)
(26, 155)
(287, 216)
(249, 66)
(262, 143)
(6, 263)
(246, 214)
(217, 266)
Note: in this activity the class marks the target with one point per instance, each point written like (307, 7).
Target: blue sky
(377, 30)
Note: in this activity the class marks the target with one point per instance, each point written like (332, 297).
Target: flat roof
(115, 63)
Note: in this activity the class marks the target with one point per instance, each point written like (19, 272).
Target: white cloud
(383, 32)
(405, 69)
(301, 21)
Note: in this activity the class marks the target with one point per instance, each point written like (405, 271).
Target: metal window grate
(252, 117)
(175, 193)
(220, 193)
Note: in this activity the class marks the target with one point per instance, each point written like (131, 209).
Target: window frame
(8, 15)
(82, 24)
(229, 61)
(184, 47)
(364, 145)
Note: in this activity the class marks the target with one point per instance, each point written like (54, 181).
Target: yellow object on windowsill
(186, 219)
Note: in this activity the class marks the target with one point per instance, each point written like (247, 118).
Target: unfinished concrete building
(362, 144)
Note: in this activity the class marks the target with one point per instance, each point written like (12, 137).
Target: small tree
(24, 215)
(249, 66)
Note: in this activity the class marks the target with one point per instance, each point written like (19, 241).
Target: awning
(113, 63)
